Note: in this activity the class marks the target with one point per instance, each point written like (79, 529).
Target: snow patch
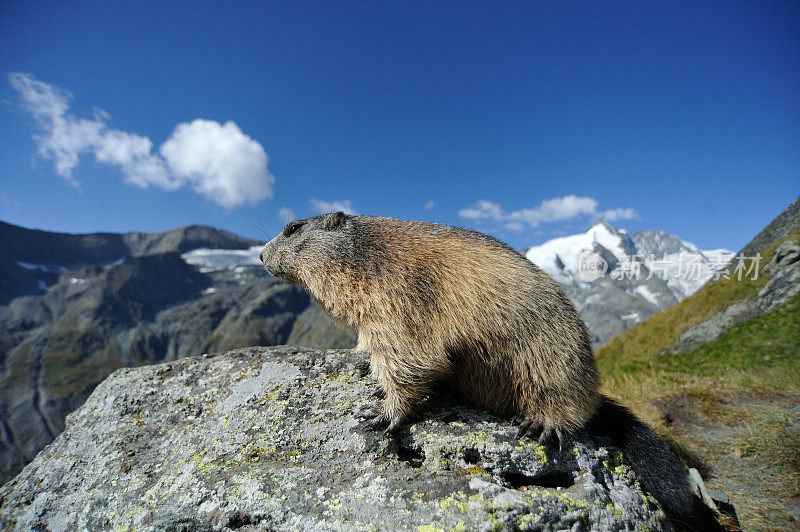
(684, 272)
(41, 267)
(209, 260)
(650, 297)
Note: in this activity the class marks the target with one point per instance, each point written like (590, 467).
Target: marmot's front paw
(391, 426)
(376, 419)
(379, 393)
(528, 426)
(376, 423)
(369, 411)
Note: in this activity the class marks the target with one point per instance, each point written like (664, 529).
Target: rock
(710, 329)
(267, 438)
(785, 281)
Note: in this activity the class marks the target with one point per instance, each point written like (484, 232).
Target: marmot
(434, 303)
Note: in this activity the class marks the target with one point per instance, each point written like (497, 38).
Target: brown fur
(433, 303)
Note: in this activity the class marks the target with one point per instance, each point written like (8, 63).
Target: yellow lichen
(541, 453)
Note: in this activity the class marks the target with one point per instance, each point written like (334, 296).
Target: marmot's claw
(393, 426)
(376, 424)
(544, 436)
(369, 411)
(379, 393)
(530, 428)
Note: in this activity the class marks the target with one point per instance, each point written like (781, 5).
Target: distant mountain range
(73, 308)
(643, 274)
(31, 260)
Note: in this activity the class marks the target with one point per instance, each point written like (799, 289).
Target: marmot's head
(305, 247)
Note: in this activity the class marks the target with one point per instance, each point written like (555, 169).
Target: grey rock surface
(267, 439)
(785, 281)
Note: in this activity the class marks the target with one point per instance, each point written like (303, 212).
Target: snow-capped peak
(559, 256)
(681, 264)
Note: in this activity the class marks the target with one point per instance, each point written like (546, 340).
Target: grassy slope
(759, 358)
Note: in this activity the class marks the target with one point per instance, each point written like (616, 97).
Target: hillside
(718, 375)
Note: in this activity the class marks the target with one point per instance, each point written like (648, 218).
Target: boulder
(268, 438)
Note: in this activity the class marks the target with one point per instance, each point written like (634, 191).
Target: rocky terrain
(267, 439)
(784, 284)
(86, 305)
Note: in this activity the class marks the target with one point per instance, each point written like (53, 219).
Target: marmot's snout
(267, 257)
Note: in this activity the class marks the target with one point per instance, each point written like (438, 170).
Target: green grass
(761, 356)
(769, 341)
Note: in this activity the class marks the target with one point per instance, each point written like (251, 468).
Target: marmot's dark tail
(657, 466)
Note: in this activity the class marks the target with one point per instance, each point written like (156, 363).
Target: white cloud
(323, 207)
(548, 211)
(619, 214)
(286, 214)
(219, 162)
(483, 210)
(429, 205)
(556, 209)
(513, 226)
(216, 160)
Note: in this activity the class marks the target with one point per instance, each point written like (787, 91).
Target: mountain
(616, 280)
(77, 307)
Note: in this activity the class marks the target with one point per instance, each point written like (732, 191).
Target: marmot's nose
(261, 256)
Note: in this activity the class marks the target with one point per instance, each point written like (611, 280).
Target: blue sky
(524, 120)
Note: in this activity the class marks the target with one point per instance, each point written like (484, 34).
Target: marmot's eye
(292, 227)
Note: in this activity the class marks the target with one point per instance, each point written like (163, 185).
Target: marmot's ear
(334, 220)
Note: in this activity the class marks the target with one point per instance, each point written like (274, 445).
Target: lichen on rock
(268, 438)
